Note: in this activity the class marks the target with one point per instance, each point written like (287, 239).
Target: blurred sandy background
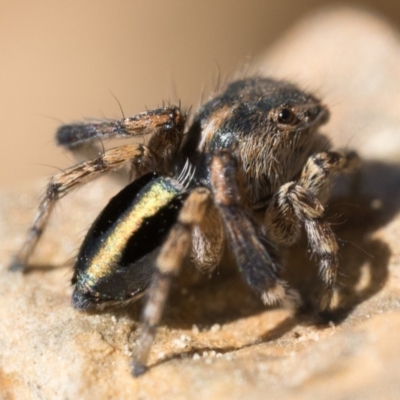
(60, 61)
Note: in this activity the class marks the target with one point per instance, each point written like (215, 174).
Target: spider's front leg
(297, 203)
(165, 124)
(167, 266)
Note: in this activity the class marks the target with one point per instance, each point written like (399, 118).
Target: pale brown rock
(217, 341)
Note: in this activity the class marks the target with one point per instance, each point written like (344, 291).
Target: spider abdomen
(115, 261)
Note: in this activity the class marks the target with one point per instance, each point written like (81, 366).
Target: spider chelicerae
(249, 171)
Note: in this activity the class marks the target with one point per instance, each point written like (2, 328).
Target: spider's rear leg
(168, 264)
(165, 124)
(256, 257)
(297, 203)
(62, 183)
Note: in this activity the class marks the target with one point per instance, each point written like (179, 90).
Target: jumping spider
(250, 171)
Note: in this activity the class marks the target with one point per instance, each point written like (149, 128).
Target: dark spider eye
(286, 116)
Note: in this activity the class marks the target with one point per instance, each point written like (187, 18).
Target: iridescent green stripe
(157, 196)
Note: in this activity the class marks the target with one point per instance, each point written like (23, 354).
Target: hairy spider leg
(167, 266)
(297, 203)
(256, 257)
(165, 124)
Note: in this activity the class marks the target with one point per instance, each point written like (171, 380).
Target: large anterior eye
(286, 116)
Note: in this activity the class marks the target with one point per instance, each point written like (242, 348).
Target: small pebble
(195, 330)
(228, 357)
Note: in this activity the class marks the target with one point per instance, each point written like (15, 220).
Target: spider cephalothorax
(252, 150)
